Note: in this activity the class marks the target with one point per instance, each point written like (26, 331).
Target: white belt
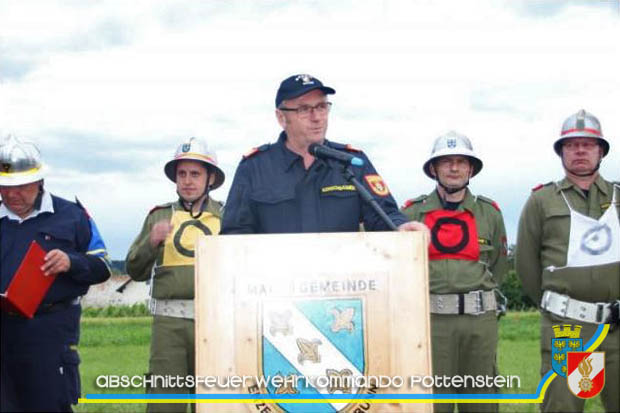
(564, 306)
(473, 302)
(173, 308)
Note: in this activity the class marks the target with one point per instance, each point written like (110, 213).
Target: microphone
(325, 152)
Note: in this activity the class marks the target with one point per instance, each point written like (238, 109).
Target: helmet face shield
(20, 163)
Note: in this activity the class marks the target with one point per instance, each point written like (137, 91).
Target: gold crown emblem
(566, 331)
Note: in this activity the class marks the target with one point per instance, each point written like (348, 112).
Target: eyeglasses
(304, 111)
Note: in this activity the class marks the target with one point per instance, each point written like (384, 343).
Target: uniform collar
(288, 157)
(567, 183)
(209, 206)
(46, 206)
(434, 201)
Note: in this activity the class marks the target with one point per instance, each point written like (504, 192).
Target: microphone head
(312, 148)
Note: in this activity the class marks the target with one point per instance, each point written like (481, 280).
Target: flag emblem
(566, 339)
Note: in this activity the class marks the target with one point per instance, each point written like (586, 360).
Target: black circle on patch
(449, 249)
(177, 236)
(600, 229)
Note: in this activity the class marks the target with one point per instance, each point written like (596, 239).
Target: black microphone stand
(367, 197)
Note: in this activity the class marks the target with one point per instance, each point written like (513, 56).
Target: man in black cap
(282, 188)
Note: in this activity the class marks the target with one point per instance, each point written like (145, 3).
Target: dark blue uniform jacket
(272, 192)
(39, 369)
(68, 229)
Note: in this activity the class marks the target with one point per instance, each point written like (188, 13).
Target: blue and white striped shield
(313, 347)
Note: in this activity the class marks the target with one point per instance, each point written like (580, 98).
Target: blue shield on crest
(559, 348)
(313, 347)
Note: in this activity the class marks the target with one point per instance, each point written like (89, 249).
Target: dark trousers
(39, 365)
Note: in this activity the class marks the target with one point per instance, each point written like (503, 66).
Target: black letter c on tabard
(177, 236)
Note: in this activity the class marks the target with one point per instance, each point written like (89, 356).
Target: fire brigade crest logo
(451, 143)
(305, 79)
(566, 339)
(313, 347)
(376, 184)
(586, 373)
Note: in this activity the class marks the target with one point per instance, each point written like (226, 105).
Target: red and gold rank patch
(376, 184)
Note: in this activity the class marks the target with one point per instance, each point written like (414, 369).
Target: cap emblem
(305, 79)
(451, 143)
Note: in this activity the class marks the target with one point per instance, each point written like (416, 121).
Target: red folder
(29, 285)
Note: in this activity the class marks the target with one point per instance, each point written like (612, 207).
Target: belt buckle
(600, 312)
(564, 304)
(479, 302)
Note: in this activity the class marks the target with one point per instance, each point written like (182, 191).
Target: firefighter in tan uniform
(467, 258)
(568, 257)
(163, 252)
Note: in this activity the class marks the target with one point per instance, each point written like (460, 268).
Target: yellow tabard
(179, 245)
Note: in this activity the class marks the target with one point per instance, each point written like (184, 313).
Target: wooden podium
(314, 315)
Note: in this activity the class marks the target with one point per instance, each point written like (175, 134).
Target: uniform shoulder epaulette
(352, 149)
(489, 201)
(256, 150)
(344, 147)
(412, 201)
(162, 206)
(540, 186)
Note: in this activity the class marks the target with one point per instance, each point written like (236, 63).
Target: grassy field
(120, 346)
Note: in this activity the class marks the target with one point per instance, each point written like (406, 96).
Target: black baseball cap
(298, 85)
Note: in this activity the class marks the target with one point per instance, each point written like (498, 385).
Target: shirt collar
(434, 202)
(566, 183)
(46, 206)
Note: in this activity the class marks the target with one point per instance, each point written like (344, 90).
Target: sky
(109, 89)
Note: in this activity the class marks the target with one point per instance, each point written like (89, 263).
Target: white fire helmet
(452, 143)
(20, 163)
(195, 149)
(581, 125)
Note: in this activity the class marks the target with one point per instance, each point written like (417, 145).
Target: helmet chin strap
(583, 174)
(451, 190)
(39, 199)
(189, 205)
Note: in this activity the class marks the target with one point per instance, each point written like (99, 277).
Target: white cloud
(128, 81)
